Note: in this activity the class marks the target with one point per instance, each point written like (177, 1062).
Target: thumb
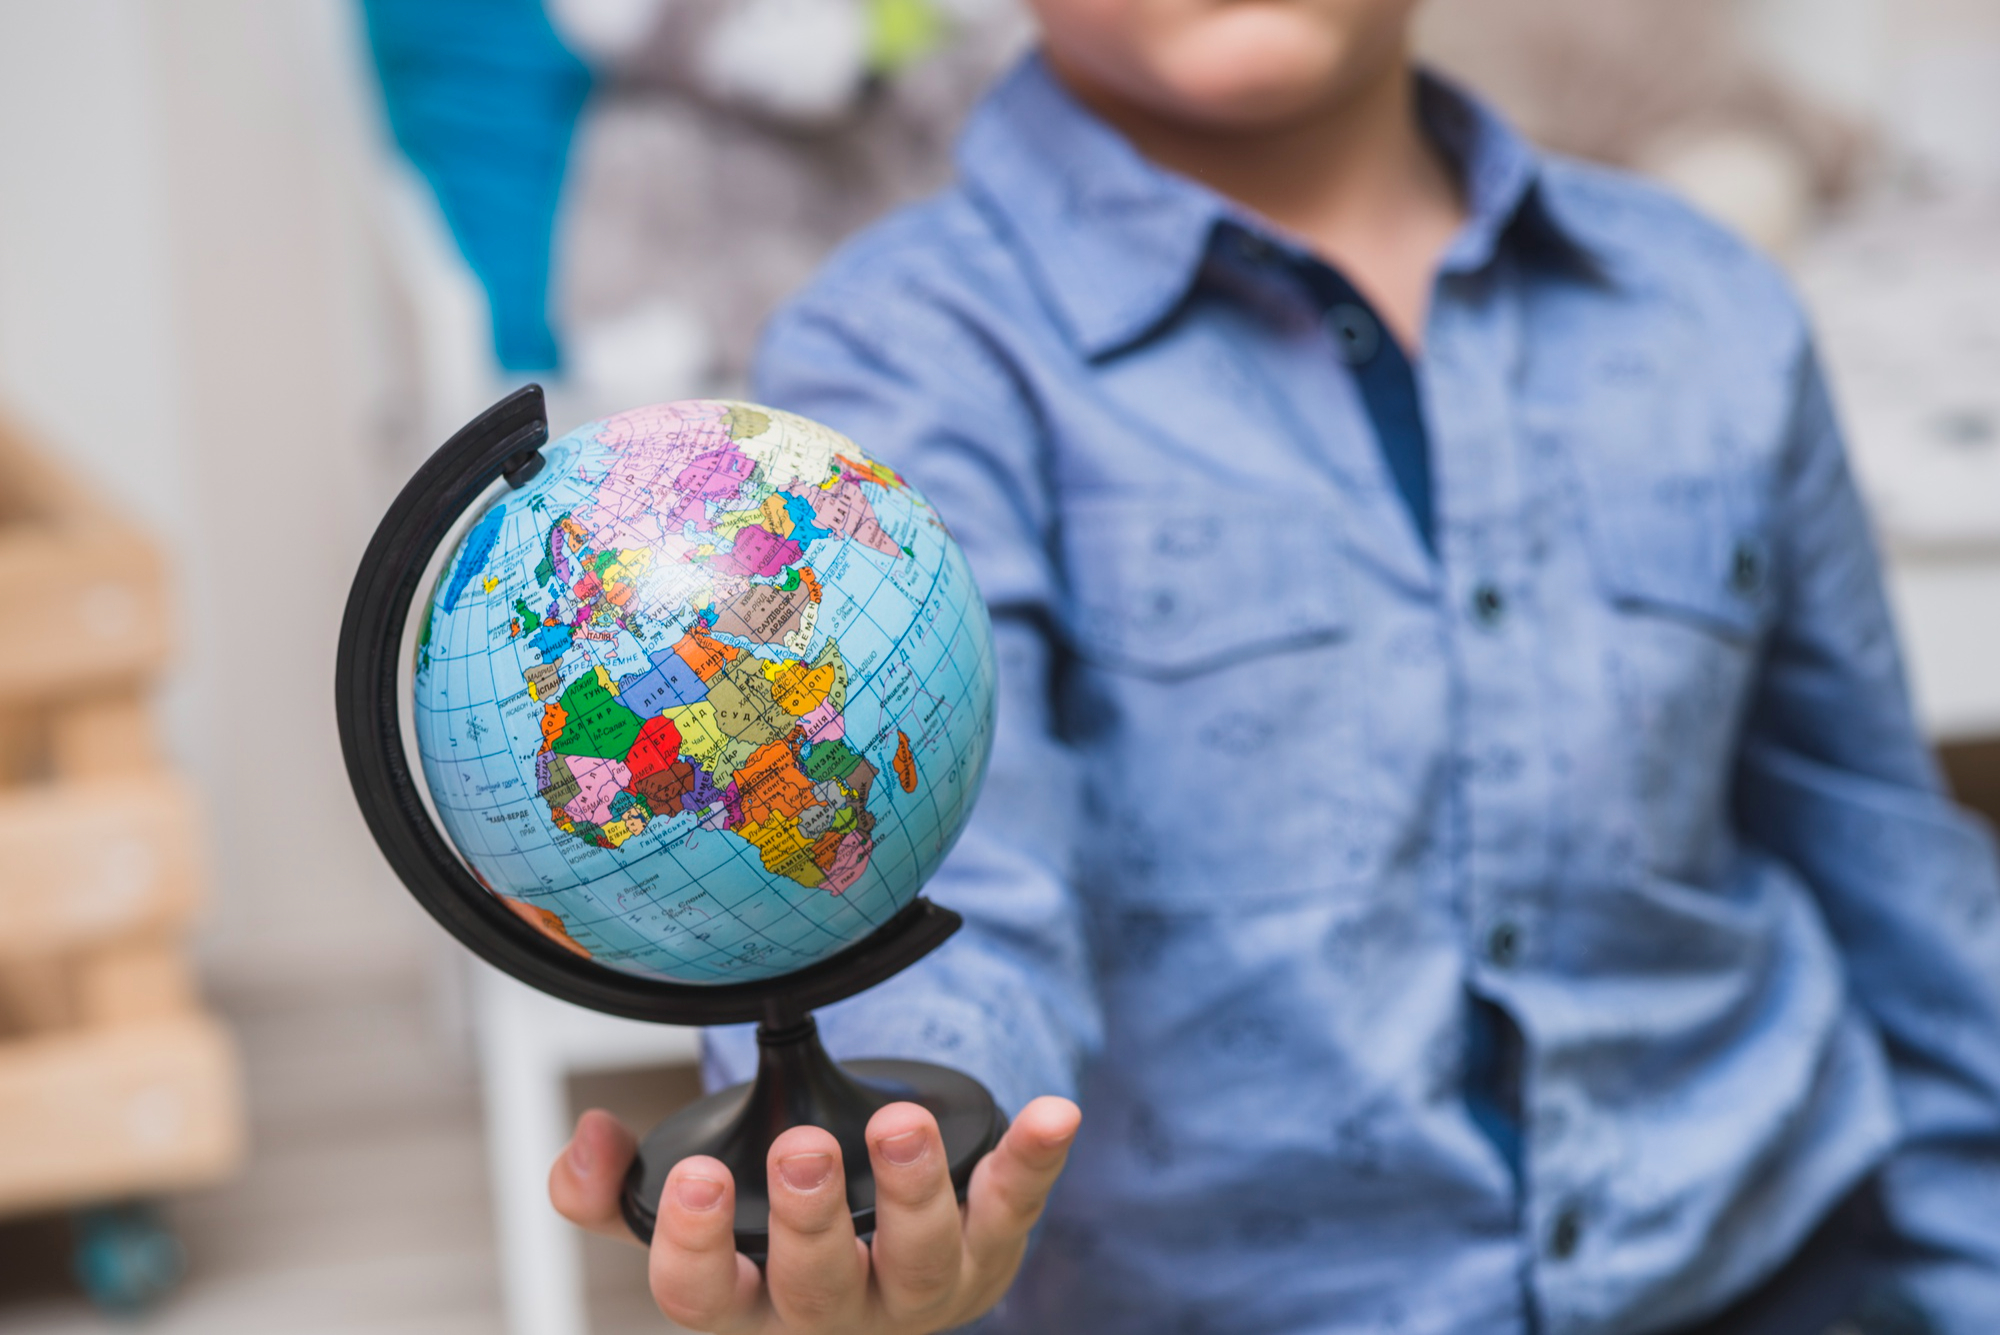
(589, 1175)
(1013, 1182)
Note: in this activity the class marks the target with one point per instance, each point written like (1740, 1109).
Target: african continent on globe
(709, 697)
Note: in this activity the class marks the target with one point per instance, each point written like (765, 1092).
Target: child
(1457, 824)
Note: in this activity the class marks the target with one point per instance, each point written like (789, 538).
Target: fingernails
(805, 1172)
(697, 1193)
(581, 1161)
(905, 1149)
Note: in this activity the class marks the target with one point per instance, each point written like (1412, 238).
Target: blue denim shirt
(1280, 794)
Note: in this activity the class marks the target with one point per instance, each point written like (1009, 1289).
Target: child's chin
(1259, 66)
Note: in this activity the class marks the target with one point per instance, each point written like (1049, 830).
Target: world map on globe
(709, 697)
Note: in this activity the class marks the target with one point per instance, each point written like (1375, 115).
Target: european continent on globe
(709, 698)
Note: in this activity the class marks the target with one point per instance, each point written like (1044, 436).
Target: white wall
(1925, 73)
(186, 311)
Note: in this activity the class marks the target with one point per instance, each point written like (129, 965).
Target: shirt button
(1489, 605)
(1746, 569)
(1503, 945)
(1566, 1233)
(1254, 248)
(1357, 337)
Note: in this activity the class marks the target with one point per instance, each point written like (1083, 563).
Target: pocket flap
(1165, 587)
(1676, 546)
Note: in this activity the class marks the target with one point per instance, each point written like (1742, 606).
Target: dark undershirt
(1386, 379)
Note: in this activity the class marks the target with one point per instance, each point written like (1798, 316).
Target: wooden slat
(36, 996)
(84, 607)
(107, 1113)
(102, 736)
(133, 981)
(86, 863)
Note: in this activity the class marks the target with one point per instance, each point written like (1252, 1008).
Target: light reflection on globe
(709, 698)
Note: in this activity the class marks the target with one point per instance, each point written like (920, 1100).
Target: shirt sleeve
(1836, 779)
(1009, 999)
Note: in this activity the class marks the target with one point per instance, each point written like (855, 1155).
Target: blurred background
(259, 257)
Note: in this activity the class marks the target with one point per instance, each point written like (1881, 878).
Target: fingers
(587, 1176)
(817, 1274)
(697, 1277)
(1011, 1184)
(917, 1252)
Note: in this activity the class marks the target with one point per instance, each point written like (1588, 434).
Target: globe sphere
(707, 698)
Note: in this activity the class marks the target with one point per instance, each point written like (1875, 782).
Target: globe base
(798, 1084)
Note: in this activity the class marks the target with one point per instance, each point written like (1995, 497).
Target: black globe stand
(797, 1082)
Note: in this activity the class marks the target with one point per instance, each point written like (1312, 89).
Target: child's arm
(1009, 999)
(1836, 779)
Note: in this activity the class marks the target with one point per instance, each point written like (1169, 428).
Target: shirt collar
(1116, 242)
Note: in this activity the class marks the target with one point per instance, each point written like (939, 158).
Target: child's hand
(932, 1265)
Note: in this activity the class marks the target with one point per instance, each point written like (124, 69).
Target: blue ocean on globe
(707, 699)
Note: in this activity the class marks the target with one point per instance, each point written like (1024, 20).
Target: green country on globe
(709, 697)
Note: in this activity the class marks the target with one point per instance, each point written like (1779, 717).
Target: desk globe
(701, 696)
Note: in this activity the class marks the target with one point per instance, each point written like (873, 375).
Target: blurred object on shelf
(1972, 770)
(1924, 74)
(1905, 290)
(719, 185)
(115, 1085)
(1752, 181)
(728, 147)
(1906, 293)
(1639, 84)
(482, 98)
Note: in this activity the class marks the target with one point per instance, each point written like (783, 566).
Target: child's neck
(1357, 180)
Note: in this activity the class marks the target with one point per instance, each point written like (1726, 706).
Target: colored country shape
(551, 641)
(802, 452)
(554, 719)
(597, 724)
(745, 422)
(545, 922)
(905, 763)
(557, 786)
(758, 552)
(705, 655)
(598, 782)
(680, 785)
(800, 689)
(831, 760)
(745, 707)
(770, 784)
(715, 476)
(658, 746)
(805, 524)
(845, 510)
(476, 551)
(850, 859)
(763, 612)
(702, 739)
(830, 656)
(823, 724)
(785, 851)
(542, 679)
(670, 683)
(777, 516)
(868, 471)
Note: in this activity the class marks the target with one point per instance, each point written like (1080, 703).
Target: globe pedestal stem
(798, 1084)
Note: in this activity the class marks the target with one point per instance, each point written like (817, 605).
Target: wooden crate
(133, 1109)
(113, 1082)
(82, 592)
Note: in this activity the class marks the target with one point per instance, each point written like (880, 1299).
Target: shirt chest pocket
(1684, 563)
(1165, 589)
(1216, 699)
